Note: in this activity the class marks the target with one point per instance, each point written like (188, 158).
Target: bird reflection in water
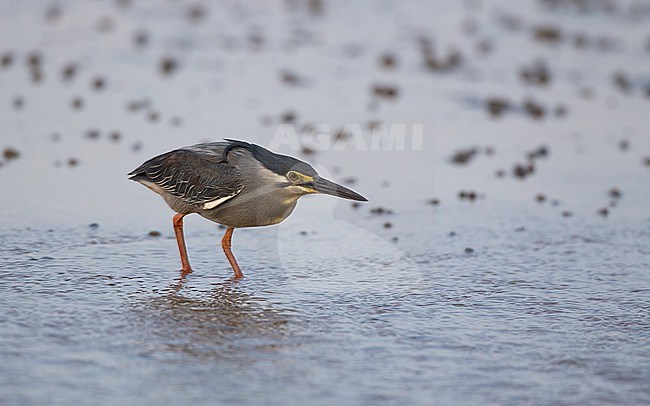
(219, 324)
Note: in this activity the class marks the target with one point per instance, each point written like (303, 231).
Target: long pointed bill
(322, 185)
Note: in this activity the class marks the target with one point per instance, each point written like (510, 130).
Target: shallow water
(500, 300)
(528, 320)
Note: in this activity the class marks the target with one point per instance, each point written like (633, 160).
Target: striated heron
(233, 183)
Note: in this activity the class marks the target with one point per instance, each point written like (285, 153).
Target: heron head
(298, 177)
(307, 183)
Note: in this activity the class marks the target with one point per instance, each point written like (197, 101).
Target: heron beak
(327, 187)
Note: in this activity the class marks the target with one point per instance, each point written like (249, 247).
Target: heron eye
(293, 176)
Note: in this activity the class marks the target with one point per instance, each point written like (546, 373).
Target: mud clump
(153, 116)
(497, 106)
(464, 156)
(533, 109)
(537, 74)
(580, 41)
(540, 152)
(168, 66)
(141, 39)
(468, 195)
(115, 136)
(36, 75)
(255, 41)
(342, 135)
(137, 105)
(53, 14)
(547, 34)
(484, 47)
(10, 153)
(388, 61)
(316, 7)
(374, 125)
(561, 111)
(307, 151)
(77, 103)
(622, 82)
(288, 117)
(69, 72)
(35, 65)
(434, 63)
(18, 102)
(291, 78)
(6, 60)
(92, 134)
(98, 83)
(380, 211)
(385, 91)
(196, 12)
(522, 171)
(614, 193)
(34, 59)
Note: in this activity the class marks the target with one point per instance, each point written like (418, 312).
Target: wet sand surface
(503, 261)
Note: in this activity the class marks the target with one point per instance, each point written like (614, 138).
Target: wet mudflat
(526, 318)
(503, 261)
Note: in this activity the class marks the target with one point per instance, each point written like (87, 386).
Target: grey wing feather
(191, 177)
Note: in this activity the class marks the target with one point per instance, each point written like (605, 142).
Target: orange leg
(180, 239)
(226, 244)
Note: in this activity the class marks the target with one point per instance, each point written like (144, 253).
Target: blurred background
(510, 101)
(502, 257)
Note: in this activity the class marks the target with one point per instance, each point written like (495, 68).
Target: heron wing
(192, 176)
